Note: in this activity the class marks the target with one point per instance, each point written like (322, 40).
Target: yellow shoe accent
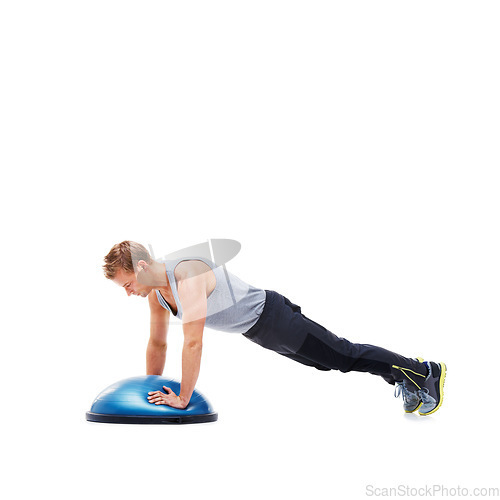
(441, 386)
(404, 370)
(408, 370)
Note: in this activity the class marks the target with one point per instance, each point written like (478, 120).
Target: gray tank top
(233, 306)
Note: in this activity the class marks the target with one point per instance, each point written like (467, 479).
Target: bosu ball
(126, 402)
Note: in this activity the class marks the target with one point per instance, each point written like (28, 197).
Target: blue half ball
(126, 402)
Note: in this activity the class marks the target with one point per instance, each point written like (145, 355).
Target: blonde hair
(124, 256)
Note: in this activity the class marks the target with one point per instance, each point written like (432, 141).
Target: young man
(201, 294)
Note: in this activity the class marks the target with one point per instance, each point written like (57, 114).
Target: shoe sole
(441, 385)
(413, 411)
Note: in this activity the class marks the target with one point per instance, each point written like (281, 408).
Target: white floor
(283, 430)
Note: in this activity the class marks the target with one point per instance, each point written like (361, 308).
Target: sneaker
(411, 400)
(410, 390)
(431, 391)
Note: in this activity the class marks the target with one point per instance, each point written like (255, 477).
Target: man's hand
(169, 399)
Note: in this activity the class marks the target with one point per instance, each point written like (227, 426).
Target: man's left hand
(169, 399)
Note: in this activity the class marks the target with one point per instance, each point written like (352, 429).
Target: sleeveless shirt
(233, 306)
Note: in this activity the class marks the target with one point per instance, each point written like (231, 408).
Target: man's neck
(160, 281)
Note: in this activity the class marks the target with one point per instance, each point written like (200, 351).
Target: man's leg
(305, 361)
(324, 347)
(284, 329)
(300, 359)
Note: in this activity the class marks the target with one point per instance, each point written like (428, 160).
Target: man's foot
(411, 400)
(410, 391)
(431, 391)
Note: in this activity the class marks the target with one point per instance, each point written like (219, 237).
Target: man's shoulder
(190, 268)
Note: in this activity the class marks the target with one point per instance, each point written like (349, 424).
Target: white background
(352, 149)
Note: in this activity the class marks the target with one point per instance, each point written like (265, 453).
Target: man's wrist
(183, 400)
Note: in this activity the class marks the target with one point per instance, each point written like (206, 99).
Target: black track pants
(284, 329)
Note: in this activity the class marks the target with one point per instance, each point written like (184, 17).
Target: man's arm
(192, 289)
(157, 346)
(192, 284)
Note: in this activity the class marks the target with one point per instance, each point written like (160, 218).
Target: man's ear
(142, 265)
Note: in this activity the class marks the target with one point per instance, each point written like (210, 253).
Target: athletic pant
(284, 329)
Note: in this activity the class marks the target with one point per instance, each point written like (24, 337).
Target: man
(201, 294)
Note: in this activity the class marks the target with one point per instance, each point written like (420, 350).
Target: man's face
(131, 285)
